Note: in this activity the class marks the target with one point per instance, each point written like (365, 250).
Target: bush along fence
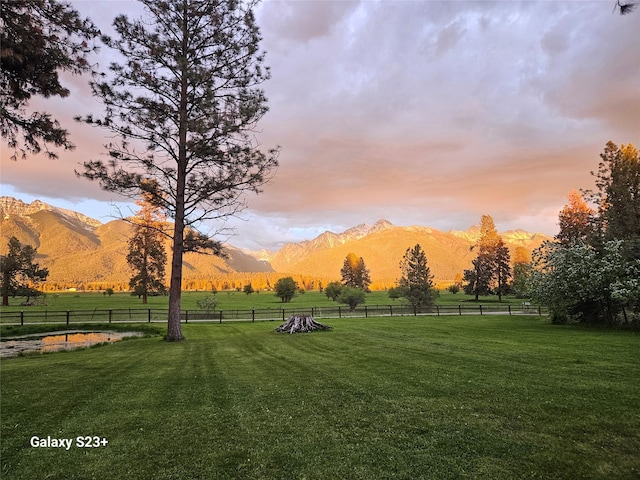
(138, 315)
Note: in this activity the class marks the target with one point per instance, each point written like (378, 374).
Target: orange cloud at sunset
(428, 113)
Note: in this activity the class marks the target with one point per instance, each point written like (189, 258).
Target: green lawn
(226, 300)
(434, 397)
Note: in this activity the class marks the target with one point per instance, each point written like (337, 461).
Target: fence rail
(149, 315)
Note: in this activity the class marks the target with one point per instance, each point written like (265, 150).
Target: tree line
(590, 273)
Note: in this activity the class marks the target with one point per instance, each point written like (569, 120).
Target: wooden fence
(138, 315)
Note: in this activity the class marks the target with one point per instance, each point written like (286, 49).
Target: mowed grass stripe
(448, 397)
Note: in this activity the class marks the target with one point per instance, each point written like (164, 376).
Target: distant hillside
(382, 247)
(79, 250)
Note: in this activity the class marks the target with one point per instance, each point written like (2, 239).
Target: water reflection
(59, 341)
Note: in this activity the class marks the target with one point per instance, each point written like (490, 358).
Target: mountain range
(79, 250)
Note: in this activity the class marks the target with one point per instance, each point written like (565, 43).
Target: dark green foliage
(394, 293)
(502, 262)
(18, 271)
(416, 282)
(478, 279)
(39, 39)
(618, 195)
(351, 296)
(147, 258)
(286, 288)
(521, 275)
(333, 290)
(491, 268)
(355, 273)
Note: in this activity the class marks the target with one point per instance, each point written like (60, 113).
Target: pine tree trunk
(174, 328)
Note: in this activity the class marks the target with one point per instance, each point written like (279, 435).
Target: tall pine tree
(575, 220)
(147, 256)
(491, 267)
(355, 273)
(416, 281)
(185, 105)
(502, 265)
(618, 196)
(521, 271)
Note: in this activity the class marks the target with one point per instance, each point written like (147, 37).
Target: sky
(419, 112)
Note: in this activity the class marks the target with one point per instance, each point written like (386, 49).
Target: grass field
(488, 397)
(226, 300)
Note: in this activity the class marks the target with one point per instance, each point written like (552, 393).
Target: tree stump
(301, 324)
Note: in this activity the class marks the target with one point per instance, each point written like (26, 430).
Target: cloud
(429, 113)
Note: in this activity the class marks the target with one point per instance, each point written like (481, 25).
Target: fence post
(283, 314)
(220, 316)
(21, 317)
(480, 309)
(186, 316)
(539, 310)
(110, 312)
(415, 310)
(366, 313)
(68, 317)
(391, 310)
(149, 315)
(438, 310)
(339, 311)
(253, 315)
(460, 309)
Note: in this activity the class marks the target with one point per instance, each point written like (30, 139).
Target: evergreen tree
(147, 256)
(416, 281)
(521, 271)
(481, 278)
(188, 93)
(39, 38)
(477, 280)
(18, 271)
(502, 265)
(575, 220)
(354, 273)
(618, 196)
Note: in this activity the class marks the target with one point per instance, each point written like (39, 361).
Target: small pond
(54, 341)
